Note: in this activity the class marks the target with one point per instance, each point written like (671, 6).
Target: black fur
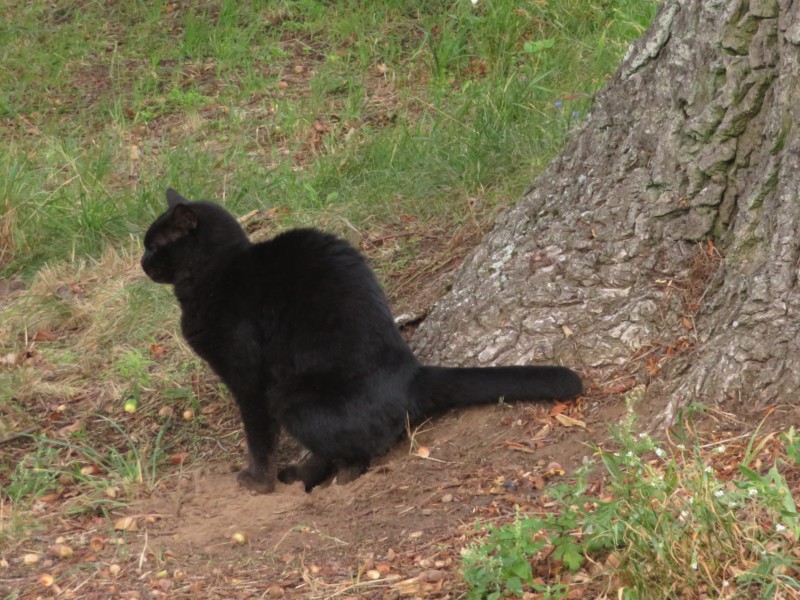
(300, 331)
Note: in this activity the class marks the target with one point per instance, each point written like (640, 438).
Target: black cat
(300, 331)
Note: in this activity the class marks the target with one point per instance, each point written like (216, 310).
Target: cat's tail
(439, 388)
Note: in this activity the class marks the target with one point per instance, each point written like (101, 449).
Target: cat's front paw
(261, 485)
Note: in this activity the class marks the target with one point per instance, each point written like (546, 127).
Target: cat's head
(188, 239)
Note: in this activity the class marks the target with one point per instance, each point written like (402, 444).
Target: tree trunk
(663, 242)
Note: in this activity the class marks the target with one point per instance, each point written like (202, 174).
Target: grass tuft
(670, 521)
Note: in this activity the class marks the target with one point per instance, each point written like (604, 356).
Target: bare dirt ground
(394, 532)
(404, 520)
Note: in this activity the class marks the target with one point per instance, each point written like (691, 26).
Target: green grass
(672, 521)
(411, 116)
(404, 107)
(417, 117)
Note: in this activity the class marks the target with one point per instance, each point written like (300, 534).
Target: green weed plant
(668, 524)
(130, 467)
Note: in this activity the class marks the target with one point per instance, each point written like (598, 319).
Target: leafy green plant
(792, 441)
(33, 475)
(133, 367)
(126, 468)
(673, 523)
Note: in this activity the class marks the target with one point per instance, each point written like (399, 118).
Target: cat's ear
(183, 219)
(174, 198)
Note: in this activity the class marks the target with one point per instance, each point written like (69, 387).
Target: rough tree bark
(666, 233)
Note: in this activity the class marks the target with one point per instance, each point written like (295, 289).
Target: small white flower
(752, 492)
(685, 514)
(694, 566)
(474, 2)
(681, 447)
(660, 453)
(691, 500)
(630, 454)
(780, 527)
(708, 469)
(719, 493)
(720, 449)
(725, 583)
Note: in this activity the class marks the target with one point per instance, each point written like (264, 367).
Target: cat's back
(307, 250)
(322, 279)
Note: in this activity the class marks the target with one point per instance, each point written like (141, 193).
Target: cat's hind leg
(312, 471)
(347, 471)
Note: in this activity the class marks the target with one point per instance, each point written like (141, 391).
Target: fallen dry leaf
(570, 422)
(275, 591)
(52, 497)
(60, 551)
(619, 387)
(126, 524)
(44, 335)
(70, 429)
(553, 469)
(97, 543)
(383, 568)
(179, 458)
(9, 359)
(517, 446)
(542, 433)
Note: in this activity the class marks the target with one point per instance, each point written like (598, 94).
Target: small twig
(283, 537)
(247, 217)
(16, 436)
(144, 550)
(439, 460)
